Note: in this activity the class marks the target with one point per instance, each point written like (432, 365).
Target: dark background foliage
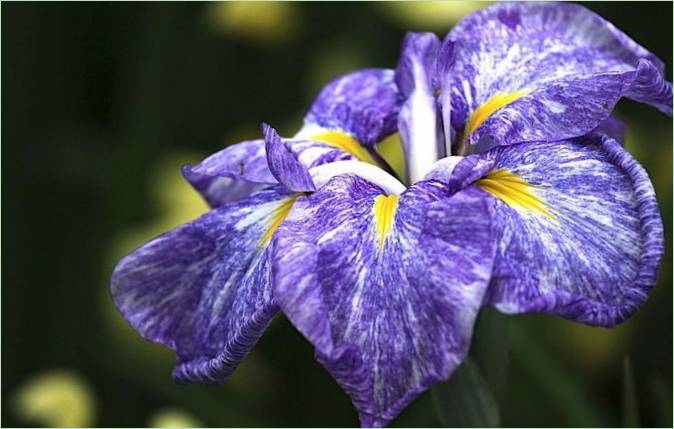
(100, 105)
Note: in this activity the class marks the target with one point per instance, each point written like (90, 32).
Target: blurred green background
(101, 104)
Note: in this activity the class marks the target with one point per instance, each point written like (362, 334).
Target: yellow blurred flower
(178, 201)
(255, 21)
(57, 398)
(173, 418)
(430, 15)
(175, 202)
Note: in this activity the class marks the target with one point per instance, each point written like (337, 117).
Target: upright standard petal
(363, 105)
(418, 121)
(385, 287)
(580, 233)
(544, 71)
(203, 289)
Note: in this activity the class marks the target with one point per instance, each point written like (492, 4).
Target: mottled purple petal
(241, 169)
(565, 66)
(284, 165)
(591, 250)
(232, 173)
(649, 86)
(203, 289)
(569, 106)
(363, 104)
(457, 172)
(388, 316)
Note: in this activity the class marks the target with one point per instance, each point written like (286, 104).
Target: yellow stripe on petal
(516, 192)
(345, 142)
(385, 207)
(278, 216)
(486, 109)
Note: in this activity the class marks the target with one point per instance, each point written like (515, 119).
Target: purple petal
(364, 104)
(649, 86)
(563, 67)
(241, 169)
(418, 121)
(582, 239)
(458, 172)
(284, 165)
(203, 289)
(570, 107)
(416, 65)
(388, 298)
(232, 173)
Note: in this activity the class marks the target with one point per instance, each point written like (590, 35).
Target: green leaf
(490, 349)
(661, 394)
(466, 400)
(552, 379)
(630, 406)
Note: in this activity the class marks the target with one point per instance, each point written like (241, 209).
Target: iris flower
(517, 195)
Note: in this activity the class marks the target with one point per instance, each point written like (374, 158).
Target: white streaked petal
(323, 173)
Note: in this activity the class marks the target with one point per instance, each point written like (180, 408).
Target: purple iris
(518, 194)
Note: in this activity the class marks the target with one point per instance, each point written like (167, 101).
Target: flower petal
(580, 233)
(360, 108)
(418, 120)
(416, 66)
(322, 174)
(610, 126)
(232, 173)
(284, 165)
(386, 288)
(364, 104)
(203, 289)
(241, 169)
(545, 71)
